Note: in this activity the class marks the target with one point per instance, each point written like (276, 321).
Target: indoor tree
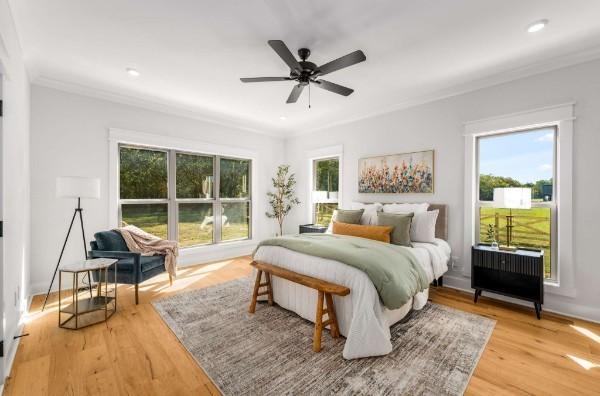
(284, 198)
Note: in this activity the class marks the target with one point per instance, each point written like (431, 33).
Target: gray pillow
(401, 223)
(348, 216)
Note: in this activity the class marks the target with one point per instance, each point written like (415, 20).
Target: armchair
(133, 268)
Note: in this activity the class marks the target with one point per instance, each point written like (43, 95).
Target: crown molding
(153, 105)
(532, 69)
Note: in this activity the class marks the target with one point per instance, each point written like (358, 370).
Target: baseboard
(10, 355)
(552, 302)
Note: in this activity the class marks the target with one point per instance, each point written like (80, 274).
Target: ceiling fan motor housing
(308, 69)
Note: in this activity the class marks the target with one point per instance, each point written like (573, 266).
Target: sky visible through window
(526, 157)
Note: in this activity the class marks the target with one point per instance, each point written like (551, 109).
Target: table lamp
(511, 198)
(74, 187)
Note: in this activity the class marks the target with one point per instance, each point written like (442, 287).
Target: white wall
(440, 126)
(69, 136)
(15, 182)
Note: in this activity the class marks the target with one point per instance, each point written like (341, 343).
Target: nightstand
(518, 274)
(308, 228)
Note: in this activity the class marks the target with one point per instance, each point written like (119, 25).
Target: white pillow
(406, 208)
(422, 228)
(369, 216)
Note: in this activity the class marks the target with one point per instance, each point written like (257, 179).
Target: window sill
(216, 246)
(221, 251)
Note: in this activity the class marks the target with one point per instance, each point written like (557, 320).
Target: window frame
(173, 201)
(552, 205)
(561, 116)
(316, 154)
(314, 183)
(247, 200)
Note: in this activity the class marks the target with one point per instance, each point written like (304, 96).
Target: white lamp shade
(512, 198)
(77, 187)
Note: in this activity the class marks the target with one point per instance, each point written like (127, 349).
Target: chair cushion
(147, 262)
(111, 241)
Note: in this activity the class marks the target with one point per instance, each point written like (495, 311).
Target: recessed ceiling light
(133, 72)
(283, 118)
(537, 26)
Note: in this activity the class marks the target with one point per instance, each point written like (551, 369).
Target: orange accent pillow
(377, 233)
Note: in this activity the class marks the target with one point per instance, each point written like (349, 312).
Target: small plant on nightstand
(491, 234)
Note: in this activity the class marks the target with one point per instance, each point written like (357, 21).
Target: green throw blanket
(393, 269)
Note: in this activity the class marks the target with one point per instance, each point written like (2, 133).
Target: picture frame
(406, 173)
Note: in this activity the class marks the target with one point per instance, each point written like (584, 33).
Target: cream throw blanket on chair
(139, 241)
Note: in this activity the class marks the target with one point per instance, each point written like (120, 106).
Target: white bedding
(362, 319)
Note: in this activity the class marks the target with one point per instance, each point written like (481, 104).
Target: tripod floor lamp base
(74, 187)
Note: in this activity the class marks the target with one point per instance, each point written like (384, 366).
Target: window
(193, 198)
(235, 195)
(520, 159)
(325, 193)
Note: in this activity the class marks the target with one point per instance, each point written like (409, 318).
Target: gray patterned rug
(269, 353)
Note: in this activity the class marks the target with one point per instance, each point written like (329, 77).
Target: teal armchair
(132, 268)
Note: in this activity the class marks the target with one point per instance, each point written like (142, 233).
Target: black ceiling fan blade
(284, 53)
(340, 63)
(263, 79)
(295, 94)
(333, 87)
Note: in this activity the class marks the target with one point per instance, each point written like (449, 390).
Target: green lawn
(531, 229)
(324, 212)
(153, 219)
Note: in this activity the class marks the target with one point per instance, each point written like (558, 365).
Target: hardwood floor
(135, 352)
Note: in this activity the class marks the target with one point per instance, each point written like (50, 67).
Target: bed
(362, 318)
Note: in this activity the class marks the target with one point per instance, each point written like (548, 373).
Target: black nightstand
(307, 228)
(518, 274)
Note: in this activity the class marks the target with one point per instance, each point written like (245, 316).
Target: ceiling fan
(305, 72)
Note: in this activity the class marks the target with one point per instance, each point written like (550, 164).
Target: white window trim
(561, 116)
(317, 154)
(118, 136)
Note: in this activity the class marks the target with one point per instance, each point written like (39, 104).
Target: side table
(83, 312)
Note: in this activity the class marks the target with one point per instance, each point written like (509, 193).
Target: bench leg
(269, 288)
(252, 307)
(137, 292)
(318, 323)
(333, 323)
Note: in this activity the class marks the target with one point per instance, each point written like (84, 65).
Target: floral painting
(398, 173)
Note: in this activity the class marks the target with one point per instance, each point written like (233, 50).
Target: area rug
(270, 353)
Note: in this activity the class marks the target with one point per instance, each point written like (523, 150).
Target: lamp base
(508, 248)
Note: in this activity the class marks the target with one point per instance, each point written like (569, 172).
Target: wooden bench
(325, 291)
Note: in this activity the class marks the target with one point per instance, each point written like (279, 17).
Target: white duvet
(362, 319)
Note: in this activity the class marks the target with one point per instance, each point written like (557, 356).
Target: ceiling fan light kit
(305, 73)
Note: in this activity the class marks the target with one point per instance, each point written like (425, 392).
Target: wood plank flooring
(136, 354)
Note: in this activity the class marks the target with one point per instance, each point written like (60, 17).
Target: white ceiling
(192, 53)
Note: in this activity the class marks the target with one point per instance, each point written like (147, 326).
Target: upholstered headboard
(441, 226)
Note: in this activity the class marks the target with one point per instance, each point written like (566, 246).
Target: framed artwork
(397, 173)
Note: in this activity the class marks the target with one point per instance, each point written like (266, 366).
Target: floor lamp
(511, 198)
(74, 187)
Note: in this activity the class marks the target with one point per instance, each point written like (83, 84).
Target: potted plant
(491, 234)
(284, 198)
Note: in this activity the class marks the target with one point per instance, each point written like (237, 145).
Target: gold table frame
(88, 305)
